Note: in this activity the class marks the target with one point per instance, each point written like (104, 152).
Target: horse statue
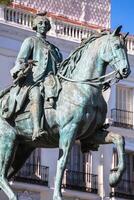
(79, 114)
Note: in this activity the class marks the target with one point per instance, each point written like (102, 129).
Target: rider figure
(37, 48)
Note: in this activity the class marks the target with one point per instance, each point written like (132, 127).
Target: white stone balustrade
(69, 31)
(130, 45)
(18, 16)
(60, 29)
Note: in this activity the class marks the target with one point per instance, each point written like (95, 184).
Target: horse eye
(117, 46)
(40, 22)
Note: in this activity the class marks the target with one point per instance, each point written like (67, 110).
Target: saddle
(13, 99)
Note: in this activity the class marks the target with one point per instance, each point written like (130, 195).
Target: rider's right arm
(23, 56)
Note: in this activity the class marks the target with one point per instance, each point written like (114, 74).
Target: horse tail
(22, 153)
(5, 91)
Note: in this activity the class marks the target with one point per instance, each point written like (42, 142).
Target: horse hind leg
(23, 151)
(67, 137)
(7, 148)
(117, 172)
(106, 137)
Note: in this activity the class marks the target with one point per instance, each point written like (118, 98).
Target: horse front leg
(117, 172)
(105, 137)
(67, 137)
(7, 150)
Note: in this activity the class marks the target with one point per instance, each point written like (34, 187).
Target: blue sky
(122, 13)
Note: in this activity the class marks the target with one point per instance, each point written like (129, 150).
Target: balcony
(33, 174)
(81, 181)
(125, 189)
(61, 28)
(122, 118)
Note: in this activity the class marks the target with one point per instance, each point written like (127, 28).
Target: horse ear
(117, 31)
(126, 35)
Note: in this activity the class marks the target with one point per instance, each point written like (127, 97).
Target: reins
(95, 81)
(105, 81)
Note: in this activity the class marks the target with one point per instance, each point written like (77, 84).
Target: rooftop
(62, 27)
(96, 12)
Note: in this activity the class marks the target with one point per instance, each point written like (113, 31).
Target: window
(124, 98)
(79, 168)
(125, 186)
(78, 161)
(124, 106)
(133, 163)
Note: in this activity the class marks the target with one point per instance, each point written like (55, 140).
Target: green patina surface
(53, 103)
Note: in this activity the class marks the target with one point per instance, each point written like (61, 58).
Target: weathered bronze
(32, 76)
(76, 110)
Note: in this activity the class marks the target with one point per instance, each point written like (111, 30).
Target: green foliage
(5, 2)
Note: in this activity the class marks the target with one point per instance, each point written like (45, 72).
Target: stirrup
(38, 134)
(105, 126)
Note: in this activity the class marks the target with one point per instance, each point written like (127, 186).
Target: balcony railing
(18, 16)
(61, 29)
(125, 189)
(81, 181)
(69, 31)
(34, 174)
(122, 118)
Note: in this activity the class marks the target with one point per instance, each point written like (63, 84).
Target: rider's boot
(36, 117)
(49, 103)
(36, 108)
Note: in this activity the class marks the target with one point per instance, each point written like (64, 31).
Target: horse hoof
(114, 178)
(114, 169)
(14, 198)
(57, 198)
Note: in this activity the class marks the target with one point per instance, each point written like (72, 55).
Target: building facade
(95, 12)
(86, 176)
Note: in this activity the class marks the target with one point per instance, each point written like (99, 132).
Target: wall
(96, 12)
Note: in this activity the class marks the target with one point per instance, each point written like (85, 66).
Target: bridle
(105, 81)
(98, 81)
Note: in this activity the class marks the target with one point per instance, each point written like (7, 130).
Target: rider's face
(42, 26)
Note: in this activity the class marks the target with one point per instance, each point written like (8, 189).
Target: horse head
(114, 53)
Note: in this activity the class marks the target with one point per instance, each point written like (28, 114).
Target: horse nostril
(125, 71)
(129, 71)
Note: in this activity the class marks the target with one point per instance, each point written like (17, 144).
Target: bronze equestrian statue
(70, 102)
(47, 57)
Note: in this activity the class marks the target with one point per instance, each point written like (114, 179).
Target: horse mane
(93, 37)
(68, 65)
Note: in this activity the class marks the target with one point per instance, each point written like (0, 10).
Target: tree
(5, 2)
